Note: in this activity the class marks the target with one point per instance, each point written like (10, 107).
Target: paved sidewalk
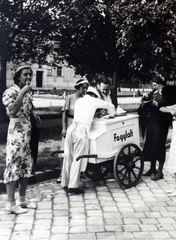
(103, 212)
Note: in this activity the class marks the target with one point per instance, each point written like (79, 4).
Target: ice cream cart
(114, 146)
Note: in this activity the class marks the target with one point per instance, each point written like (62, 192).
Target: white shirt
(85, 109)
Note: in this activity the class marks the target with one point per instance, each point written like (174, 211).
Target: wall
(66, 80)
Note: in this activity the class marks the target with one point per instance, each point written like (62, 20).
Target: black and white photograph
(87, 119)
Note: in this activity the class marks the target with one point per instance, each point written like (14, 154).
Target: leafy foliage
(28, 28)
(147, 36)
(135, 38)
(85, 36)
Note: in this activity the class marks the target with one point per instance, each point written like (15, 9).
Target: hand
(154, 103)
(173, 112)
(145, 96)
(63, 133)
(25, 89)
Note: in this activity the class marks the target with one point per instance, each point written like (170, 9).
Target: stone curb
(37, 177)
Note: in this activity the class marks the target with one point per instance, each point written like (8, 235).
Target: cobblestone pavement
(102, 212)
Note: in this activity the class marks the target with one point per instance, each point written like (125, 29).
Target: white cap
(93, 90)
(81, 82)
(22, 67)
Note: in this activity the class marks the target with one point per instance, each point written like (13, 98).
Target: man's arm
(106, 105)
(64, 123)
(111, 109)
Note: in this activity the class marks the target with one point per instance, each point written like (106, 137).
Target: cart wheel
(97, 171)
(128, 165)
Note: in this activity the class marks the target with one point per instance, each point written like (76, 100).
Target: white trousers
(76, 144)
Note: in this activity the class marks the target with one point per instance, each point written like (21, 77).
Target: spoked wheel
(98, 171)
(128, 165)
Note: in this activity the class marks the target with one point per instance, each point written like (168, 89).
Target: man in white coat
(77, 138)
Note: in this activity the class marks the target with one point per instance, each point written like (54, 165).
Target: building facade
(58, 76)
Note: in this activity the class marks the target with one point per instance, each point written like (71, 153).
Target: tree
(86, 36)
(123, 39)
(27, 29)
(130, 39)
(146, 40)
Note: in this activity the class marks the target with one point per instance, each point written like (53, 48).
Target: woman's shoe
(172, 194)
(171, 191)
(75, 191)
(16, 209)
(157, 176)
(59, 180)
(65, 189)
(26, 204)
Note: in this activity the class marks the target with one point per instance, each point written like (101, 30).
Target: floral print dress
(18, 154)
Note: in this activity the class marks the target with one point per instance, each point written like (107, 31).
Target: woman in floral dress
(18, 102)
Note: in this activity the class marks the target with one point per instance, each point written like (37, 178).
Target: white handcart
(114, 147)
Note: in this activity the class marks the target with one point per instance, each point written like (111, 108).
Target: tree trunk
(3, 117)
(3, 64)
(114, 79)
(114, 83)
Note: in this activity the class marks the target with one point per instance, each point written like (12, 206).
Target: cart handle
(87, 156)
(60, 151)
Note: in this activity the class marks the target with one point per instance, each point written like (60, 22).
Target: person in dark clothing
(106, 91)
(157, 126)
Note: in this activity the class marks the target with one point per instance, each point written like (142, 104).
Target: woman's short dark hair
(18, 73)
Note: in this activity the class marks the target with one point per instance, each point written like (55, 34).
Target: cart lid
(106, 120)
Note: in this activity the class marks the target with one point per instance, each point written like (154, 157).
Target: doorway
(39, 78)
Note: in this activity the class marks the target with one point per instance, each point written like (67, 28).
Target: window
(49, 72)
(59, 71)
